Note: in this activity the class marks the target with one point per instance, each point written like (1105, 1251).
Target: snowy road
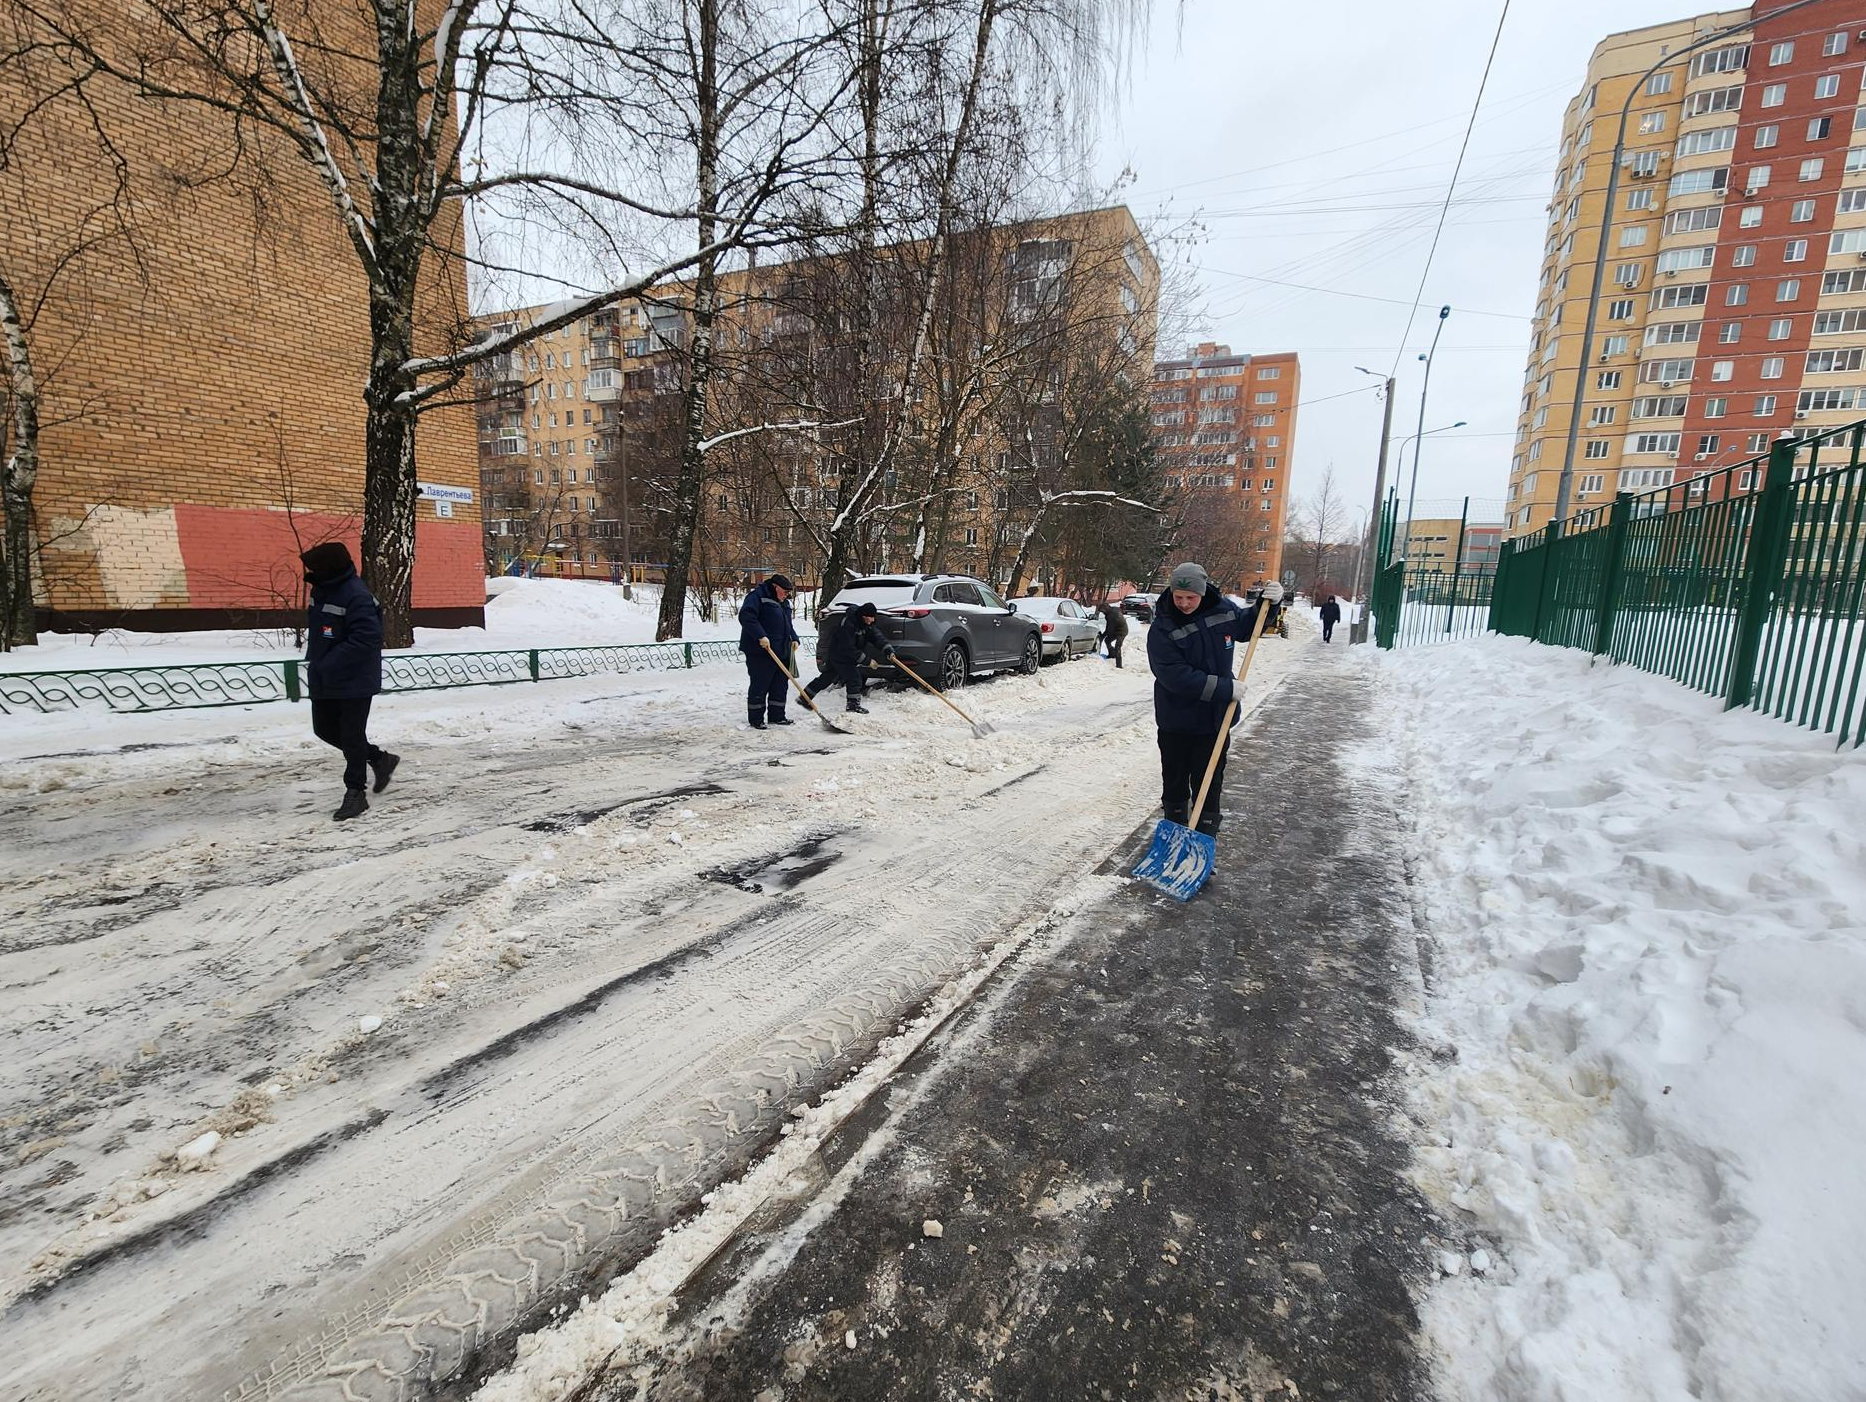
(587, 916)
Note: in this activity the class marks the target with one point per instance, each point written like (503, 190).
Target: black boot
(757, 719)
(1209, 823)
(1179, 813)
(779, 718)
(353, 803)
(855, 704)
(383, 769)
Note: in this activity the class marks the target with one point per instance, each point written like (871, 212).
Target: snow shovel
(828, 724)
(1181, 859)
(978, 729)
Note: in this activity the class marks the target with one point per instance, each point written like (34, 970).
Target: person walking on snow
(853, 638)
(1331, 615)
(1191, 646)
(1114, 630)
(343, 670)
(767, 634)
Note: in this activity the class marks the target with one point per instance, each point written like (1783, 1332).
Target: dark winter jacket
(343, 654)
(1116, 621)
(850, 639)
(1331, 612)
(764, 615)
(1193, 659)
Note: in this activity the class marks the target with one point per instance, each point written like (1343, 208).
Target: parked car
(1067, 628)
(947, 627)
(1138, 606)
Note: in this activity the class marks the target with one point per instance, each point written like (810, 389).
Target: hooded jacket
(1193, 657)
(343, 648)
(764, 615)
(1115, 620)
(1331, 612)
(851, 639)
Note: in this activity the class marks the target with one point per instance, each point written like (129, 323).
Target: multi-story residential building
(1734, 307)
(577, 439)
(1225, 431)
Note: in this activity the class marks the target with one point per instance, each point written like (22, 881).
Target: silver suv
(947, 627)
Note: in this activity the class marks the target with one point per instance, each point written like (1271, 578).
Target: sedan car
(1068, 629)
(947, 627)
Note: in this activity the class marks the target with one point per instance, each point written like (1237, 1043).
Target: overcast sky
(1315, 143)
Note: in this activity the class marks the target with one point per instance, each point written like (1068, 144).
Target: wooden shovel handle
(803, 695)
(932, 690)
(1224, 730)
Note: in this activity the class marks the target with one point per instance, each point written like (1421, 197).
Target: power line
(1361, 296)
(1451, 189)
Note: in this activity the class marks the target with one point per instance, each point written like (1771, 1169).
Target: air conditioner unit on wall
(1801, 413)
(1665, 384)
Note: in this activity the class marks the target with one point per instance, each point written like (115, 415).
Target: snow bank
(1645, 1036)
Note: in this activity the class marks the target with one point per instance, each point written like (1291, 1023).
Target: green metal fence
(1419, 601)
(187, 686)
(1745, 582)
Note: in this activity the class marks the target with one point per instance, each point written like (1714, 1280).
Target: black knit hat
(330, 560)
(867, 609)
(782, 581)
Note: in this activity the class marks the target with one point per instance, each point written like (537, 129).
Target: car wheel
(954, 666)
(1033, 656)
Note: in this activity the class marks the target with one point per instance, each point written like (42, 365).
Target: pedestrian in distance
(1114, 630)
(343, 670)
(854, 637)
(1331, 615)
(1191, 648)
(767, 634)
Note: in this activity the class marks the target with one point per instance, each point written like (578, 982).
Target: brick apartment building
(203, 406)
(578, 437)
(1225, 430)
(1734, 307)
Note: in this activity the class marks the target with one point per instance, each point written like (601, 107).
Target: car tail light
(1049, 627)
(911, 613)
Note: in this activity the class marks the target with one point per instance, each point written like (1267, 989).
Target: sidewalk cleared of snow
(1639, 1085)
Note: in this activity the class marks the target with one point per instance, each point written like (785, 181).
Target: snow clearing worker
(1331, 615)
(343, 669)
(1191, 648)
(1114, 630)
(766, 635)
(854, 637)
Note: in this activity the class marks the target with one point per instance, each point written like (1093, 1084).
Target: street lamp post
(1565, 484)
(1419, 438)
(1364, 567)
(1415, 438)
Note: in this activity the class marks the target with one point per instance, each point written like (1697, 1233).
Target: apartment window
(1651, 123)
(1694, 294)
(1722, 371)
(1674, 333)
(1273, 372)
(1811, 169)
(1801, 212)
(1814, 401)
(537, 474)
(1620, 309)
(1700, 182)
(1833, 44)
(1758, 178)
(1835, 361)
(1775, 95)
(1708, 443)
(1795, 251)
(1750, 217)
(1602, 414)
(1782, 53)
(1614, 345)
(1596, 448)
(1768, 136)
(572, 478)
(1853, 280)
(1743, 256)
(1847, 241)
(1765, 405)
(1607, 379)
(1645, 163)
(1661, 83)
(1736, 294)
(1264, 397)
(1781, 328)
(1728, 333)
(1827, 85)
(1724, 60)
(1699, 104)
(1820, 128)
(1772, 367)
(1632, 236)
(1852, 201)
(1638, 200)
(1674, 260)
(1696, 143)
(1831, 323)
(1716, 407)
(1689, 221)
(1657, 443)
(1659, 406)
(1788, 289)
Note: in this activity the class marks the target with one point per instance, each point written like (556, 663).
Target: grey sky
(1333, 129)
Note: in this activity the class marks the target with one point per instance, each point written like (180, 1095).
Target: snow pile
(1645, 1037)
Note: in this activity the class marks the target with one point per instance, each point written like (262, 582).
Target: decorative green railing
(1430, 600)
(1745, 582)
(187, 686)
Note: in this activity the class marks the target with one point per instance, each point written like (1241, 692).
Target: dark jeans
(345, 724)
(1182, 766)
(765, 695)
(850, 677)
(1328, 630)
(1114, 649)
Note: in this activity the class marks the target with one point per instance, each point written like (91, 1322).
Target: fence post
(686, 650)
(1762, 568)
(532, 658)
(1616, 562)
(1457, 567)
(1551, 537)
(292, 692)
(1499, 588)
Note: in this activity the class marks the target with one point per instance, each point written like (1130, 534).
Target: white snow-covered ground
(578, 905)
(1644, 1047)
(519, 613)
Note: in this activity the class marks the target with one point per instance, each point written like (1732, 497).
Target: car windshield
(882, 593)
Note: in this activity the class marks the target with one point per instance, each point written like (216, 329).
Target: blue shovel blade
(1180, 860)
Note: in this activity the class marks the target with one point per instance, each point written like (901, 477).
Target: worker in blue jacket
(767, 634)
(343, 670)
(1192, 650)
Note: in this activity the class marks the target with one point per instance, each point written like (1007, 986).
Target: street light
(1425, 388)
(1364, 566)
(1413, 438)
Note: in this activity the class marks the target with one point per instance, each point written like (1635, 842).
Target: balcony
(604, 354)
(601, 385)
